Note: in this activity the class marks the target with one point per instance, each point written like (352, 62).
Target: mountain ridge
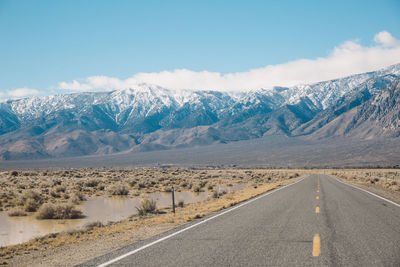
(150, 117)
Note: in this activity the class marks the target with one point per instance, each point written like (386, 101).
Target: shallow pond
(14, 230)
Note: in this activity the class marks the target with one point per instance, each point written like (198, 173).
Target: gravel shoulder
(377, 189)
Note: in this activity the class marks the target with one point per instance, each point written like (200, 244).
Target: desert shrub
(100, 187)
(210, 187)
(119, 190)
(16, 212)
(168, 189)
(90, 226)
(147, 206)
(92, 183)
(77, 198)
(60, 188)
(216, 194)
(47, 211)
(31, 205)
(55, 194)
(196, 189)
(59, 211)
(14, 173)
(132, 182)
(202, 184)
(181, 203)
(33, 195)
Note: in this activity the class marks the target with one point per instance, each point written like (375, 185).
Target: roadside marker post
(173, 199)
(219, 187)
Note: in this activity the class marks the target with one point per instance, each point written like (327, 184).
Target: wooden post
(219, 187)
(173, 199)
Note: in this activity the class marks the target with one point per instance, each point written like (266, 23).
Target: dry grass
(385, 178)
(181, 203)
(16, 212)
(29, 190)
(384, 182)
(147, 206)
(60, 211)
(119, 190)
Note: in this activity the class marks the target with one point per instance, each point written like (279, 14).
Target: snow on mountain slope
(154, 117)
(324, 94)
(145, 100)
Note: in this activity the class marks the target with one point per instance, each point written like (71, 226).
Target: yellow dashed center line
(317, 240)
(316, 245)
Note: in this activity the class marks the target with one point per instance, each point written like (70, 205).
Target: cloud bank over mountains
(20, 92)
(346, 59)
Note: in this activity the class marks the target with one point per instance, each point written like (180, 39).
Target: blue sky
(48, 45)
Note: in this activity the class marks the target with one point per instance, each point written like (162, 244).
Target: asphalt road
(315, 222)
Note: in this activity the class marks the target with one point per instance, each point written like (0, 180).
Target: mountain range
(148, 117)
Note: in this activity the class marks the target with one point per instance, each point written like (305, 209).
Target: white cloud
(22, 92)
(75, 86)
(346, 59)
(386, 39)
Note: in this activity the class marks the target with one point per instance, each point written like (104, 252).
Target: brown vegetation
(16, 212)
(386, 178)
(147, 206)
(60, 211)
(29, 190)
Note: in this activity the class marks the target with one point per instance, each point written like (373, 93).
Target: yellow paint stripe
(317, 210)
(317, 197)
(316, 250)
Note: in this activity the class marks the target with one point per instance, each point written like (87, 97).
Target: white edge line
(194, 225)
(366, 191)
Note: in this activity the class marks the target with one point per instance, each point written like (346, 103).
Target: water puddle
(14, 230)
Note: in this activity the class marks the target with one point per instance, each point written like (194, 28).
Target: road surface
(317, 221)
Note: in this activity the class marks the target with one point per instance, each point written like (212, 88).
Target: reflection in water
(164, 199)
(14, 230)
(106, 209)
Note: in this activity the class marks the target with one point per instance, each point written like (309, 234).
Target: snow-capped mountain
(152, 117)
(325, 94)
